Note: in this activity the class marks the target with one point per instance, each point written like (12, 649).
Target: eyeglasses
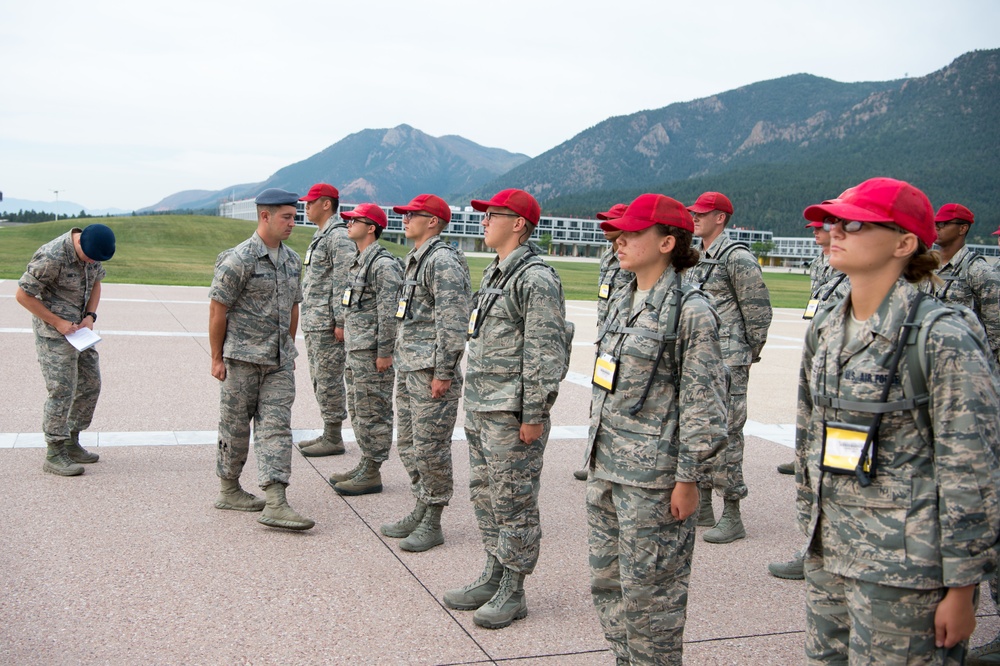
(355, 220)
(945, 224)
(409, 215)
(854, 226)
(489, 216)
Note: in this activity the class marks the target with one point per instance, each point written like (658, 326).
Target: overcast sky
(120, 103)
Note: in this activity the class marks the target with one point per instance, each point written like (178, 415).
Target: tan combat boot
(706, 517)
(427, 534)
(507, 605)
(77, 453)
(479, 591)
(277, 513)
(234, 498)
(337, 477)
(730, 526)
(57, 461)
(402, 528)
(330, 443)
(366, 480)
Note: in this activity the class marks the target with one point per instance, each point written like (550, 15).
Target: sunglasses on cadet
(854, 226)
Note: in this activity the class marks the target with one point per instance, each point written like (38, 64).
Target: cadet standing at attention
(731, 276)
(253, 315)
(519, 345)
(612, 277)
(324, 278)
(433, 311)
(61, 288)
(658, 420)
(896, 445)
(370, 338)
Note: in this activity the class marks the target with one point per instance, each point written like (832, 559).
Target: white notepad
(83, 338)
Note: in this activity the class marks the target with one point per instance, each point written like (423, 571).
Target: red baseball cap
(321, 190)
(518, 201)
(427, 203)
(884, 200)
(954, 211)
(710, 201)
(613, 213)
(996, 233)
(650, 209)
(372, 211)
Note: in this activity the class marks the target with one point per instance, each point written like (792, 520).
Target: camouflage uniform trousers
(326, 368)
(369, 401)
(732, 458)
(424, 427)
(263, 394)
(849, 621)
(73, 382)
(640, 565)
(504, 480)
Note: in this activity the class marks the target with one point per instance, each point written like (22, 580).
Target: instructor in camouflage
(253, 315)
(658, 420)
(370, 339)
(432, 310)
(519, 345)
(731, 276)
(324, 278)
(898, 537)
(61, 288)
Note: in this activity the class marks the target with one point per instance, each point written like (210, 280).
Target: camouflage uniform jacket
(324, 277)
(613, 275)
(970, 281)
(438, 288)
(674, 437)
(56, 276)
(740, 297)
(371, 315)
(520, 354)
(260, 297)
(826, 283)
(930, 517)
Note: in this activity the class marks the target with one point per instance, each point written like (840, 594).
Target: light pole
(57, 203)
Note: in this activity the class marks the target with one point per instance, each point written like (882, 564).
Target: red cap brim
(844, 211)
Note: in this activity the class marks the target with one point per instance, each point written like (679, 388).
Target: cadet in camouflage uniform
(653, 437)
(61, 288)
(612, 278)
(969, 279)
(894, 555)
(518, 353)
(253, 314)
(432, 312)
(370, 338)
(731, 276)
(324, 278)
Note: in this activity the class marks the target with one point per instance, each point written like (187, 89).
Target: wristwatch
(92, 315)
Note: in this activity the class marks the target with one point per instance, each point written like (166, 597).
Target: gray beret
(275, 197)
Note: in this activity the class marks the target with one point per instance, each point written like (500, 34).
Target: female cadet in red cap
(897, 478)
(658, 419)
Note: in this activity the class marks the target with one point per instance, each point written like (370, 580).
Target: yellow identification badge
(842, 445)
(401, 310)
(472, 321)
(811, 308)
(604, 292)
(346, 300)
(605, 372)
(309, 254)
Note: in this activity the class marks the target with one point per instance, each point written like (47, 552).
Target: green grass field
(181, 250)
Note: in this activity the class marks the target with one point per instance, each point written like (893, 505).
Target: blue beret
(98, 242)
(275, 197)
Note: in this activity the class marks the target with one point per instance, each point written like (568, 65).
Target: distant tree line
(32, 216)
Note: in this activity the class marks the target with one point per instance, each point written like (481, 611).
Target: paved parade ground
(131, 563)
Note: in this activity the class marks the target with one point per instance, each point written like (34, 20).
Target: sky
(118, 103)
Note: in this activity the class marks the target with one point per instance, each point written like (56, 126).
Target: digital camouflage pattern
(640, 555)
(63, 283)
(826, 283)
(259, 297)
(430, 342)
(370, 332)
(327, 359)
(615, 276)
(931, 516)
(72, 383)
(515, 365)
(432, 335)
(325, 273)
(264, 395)
(971, 281)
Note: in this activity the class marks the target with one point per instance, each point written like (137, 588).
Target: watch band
(92, 315)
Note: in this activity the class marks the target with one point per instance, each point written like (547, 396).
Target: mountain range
(773, 147)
